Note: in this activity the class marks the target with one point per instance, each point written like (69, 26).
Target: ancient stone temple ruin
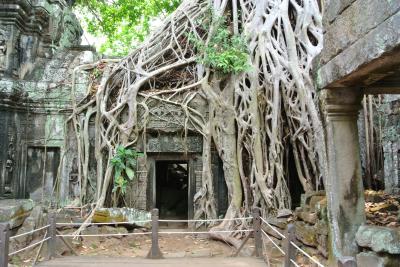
(40, 47)
(45, 71)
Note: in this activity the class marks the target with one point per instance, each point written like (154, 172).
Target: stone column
(344, 186)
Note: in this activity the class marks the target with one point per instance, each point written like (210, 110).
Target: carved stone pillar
(344, 186)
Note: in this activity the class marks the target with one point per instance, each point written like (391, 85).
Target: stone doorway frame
(152, 158)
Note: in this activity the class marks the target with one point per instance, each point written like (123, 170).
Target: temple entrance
(172, 186)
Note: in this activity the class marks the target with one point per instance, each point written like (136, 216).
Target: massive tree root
(252, 115)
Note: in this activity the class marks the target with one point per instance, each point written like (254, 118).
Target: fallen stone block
(281, 223)
(314, 200)
(35, 220)
(379, 239)
(284, 213)
(309, 217)
(372, 259)
(322, 246)
(306, 234)
(308, 200)
(14, 211)
(115, 215)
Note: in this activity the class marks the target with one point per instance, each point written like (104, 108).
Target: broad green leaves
(224, 52)
(124, 163)
(124, 23)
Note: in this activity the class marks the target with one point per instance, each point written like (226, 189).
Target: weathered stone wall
(312, 223)
(391, 142)
(359, 55)
(39, 48)
(356, 32)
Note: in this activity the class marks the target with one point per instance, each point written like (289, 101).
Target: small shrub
(124, 163)
(224, 52)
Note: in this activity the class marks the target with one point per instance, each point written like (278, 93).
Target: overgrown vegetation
(124, 163)
(225, 52)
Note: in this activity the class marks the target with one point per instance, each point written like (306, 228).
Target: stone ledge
(375, 44)
(354, 23)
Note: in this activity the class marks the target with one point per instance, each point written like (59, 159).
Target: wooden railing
(288, 249)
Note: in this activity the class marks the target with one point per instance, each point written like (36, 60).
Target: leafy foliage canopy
(224, 52)
(123, 23)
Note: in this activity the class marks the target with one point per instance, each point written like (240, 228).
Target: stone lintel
(376, 51)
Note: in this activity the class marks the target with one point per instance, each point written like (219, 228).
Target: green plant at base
(225, 52)
(124, 163)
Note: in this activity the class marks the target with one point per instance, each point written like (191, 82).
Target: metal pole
(51, 243)
(4, 244)
(155, 252)
(257, 232)
(290, 252)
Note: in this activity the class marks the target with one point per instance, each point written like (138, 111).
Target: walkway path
(99, 261)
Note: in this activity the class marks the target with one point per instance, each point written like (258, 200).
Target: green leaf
(129, 153)
(117, 174)
(130, 173)
(121, 151)
(131, 162)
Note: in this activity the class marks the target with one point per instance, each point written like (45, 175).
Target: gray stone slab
(126, 261)
(379, 239)
(379, 41)
(334, 8)
(353, 23)
(14, 211)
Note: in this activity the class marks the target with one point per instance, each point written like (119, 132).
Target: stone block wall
(137, 193)
(32, 115)
(380, 246)
(198, 171)
(356, 32)
(391, 142)
(39, 48)
(311, 223)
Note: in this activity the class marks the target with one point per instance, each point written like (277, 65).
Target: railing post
(257, 232)
(290, 252)
(51, 243)
(347, 262)
(4, 243)
(155, 252)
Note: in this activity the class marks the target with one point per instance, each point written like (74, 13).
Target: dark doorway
(220, 188)
(42, 166)
(172, 189)
(294, 184)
